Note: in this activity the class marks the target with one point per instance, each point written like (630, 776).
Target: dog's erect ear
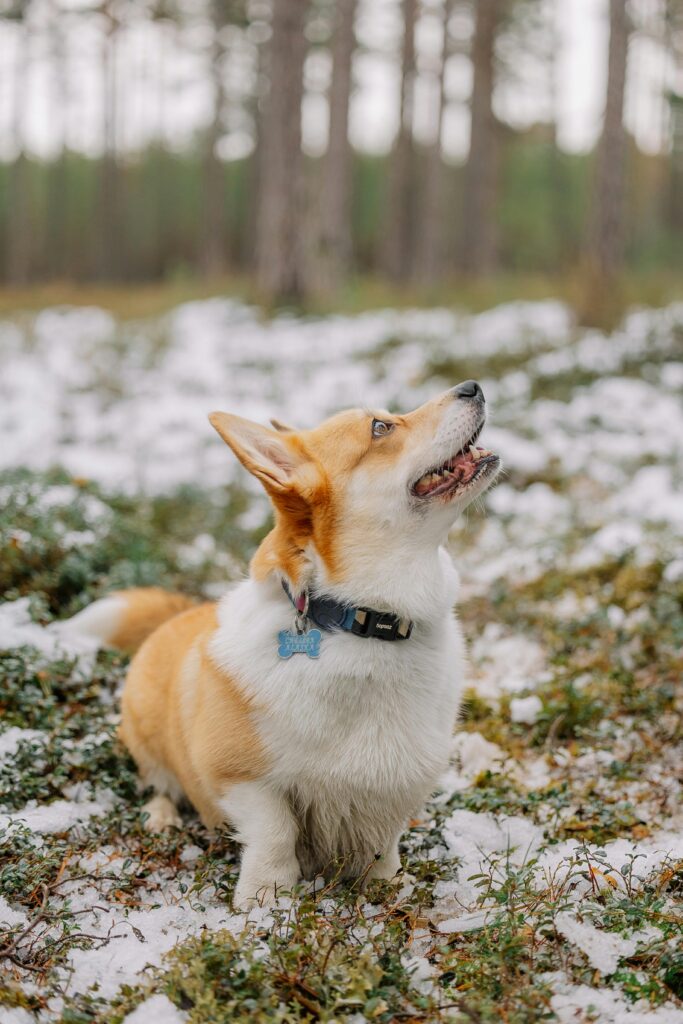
(272, 458)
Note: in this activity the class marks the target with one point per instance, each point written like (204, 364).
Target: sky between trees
(164, 54)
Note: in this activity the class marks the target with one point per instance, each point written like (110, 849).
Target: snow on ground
(591, 431)
(18, 629)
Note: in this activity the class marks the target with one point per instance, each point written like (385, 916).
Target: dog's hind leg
(160, 814)
(161, 810)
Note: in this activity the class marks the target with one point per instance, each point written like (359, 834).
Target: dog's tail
(124, 619)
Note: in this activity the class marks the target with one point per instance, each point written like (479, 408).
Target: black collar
(364, 622)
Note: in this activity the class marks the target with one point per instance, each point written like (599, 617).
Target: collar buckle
(382, 625)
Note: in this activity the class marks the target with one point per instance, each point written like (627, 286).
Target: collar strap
(364, 622)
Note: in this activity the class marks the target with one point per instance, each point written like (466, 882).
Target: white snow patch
(649, 853)
(603, 949)
(526, 710)
(10, 917)
(674, 570)
(480, 843)
(475, 754)
(156, 1010)
(18, 630)
(505, 663)
(12, 737)
(16, 1015)
(423, 973)
(60, 815)
(471, 922)
(139, 938)
(578, 1003)
(612, 541)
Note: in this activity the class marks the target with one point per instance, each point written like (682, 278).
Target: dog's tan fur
(145, 609)
(184, 720)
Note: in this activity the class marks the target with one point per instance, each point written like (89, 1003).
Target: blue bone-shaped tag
(299, 643)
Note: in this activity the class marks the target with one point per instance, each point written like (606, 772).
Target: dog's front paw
(245, 900)
(386, 868)
(255, 891)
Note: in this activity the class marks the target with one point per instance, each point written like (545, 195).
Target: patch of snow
(650, 853)
(423, 973)
(134, 941)
(220, 354)
(60, 815)
(574, 1003)
(526, 710)
(612, 541)
(674, 570)
(603, 949)
(517, 452)
(156, 1010)
(475, 754)
(16, 1015)
(471, 922)
(191, 854)
(10, 917)
(652, 495)
(535, 506)
(505, 663)
(12, 737)
(533, 773)
(479, 842)
(18, 630)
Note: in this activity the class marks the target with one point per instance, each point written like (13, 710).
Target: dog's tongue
(459, 469)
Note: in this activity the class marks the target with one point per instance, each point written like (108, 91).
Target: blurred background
(345, 151)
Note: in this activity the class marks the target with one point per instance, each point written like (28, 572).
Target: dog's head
(366, 481)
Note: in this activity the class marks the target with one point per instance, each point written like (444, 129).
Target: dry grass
(133, 301)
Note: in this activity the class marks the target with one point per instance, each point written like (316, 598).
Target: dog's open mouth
(457, 472)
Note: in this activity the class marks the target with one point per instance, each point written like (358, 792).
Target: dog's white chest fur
(355, 739)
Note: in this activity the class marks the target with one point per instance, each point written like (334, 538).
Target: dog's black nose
(468, 389)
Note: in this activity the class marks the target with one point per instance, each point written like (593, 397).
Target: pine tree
(607, 213)
(430, 240)
(333, 245)
(397, 242)
(479, 235)
(279, 252)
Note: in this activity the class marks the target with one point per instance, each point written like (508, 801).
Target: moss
(121, 541)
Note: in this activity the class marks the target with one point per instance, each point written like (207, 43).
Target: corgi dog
(312, 708)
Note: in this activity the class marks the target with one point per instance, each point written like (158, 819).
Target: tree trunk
(607, 216)
(254, 171)
(479, 228)
(19, 230)
(57, 249)
(334, 242)
(279, 250)
(212, 256)
(398, 242)
(674, 198)
(429, 262)
(110, 228)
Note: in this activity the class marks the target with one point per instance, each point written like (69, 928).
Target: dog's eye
(380, 428)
